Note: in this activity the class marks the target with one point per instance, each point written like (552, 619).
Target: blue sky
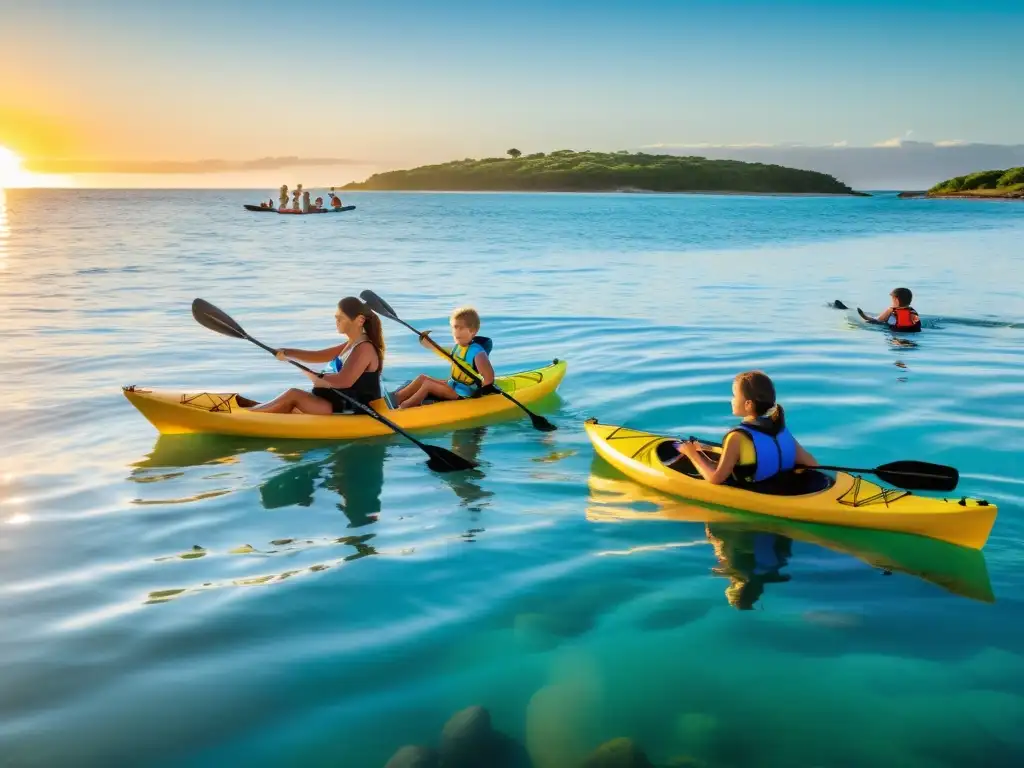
(393, 83)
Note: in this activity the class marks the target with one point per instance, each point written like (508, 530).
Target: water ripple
(207, 601)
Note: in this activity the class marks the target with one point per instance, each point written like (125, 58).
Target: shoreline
(734, 192)
(957, 196)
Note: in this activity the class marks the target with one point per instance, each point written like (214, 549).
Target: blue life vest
(464, 384)
(766, 558)
(773, 453)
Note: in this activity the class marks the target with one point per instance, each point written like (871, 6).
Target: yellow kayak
(959, 570)
(813, 496)
(226, 413)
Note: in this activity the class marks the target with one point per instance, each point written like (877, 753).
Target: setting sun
(10, 168)
(12, 174)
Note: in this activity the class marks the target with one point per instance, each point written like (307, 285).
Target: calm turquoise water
(220, 601)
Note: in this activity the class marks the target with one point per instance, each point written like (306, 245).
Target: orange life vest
(906, 319)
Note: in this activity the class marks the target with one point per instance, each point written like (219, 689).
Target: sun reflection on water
(5, 230)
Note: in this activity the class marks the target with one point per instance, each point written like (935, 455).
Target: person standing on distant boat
(296, 195)
(306, 205)
(282, 197)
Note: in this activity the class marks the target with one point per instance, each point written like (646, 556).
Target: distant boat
(258, 209)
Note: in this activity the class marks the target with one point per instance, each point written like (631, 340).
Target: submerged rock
(672, 614)
(561, 717)
(533, 632)
(414, 757)
(683, 761)
(467, 738)
(617, 753)
(507, 752)
(832, 619)
(696, 729)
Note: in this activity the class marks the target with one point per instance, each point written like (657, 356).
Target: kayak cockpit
(786, 484)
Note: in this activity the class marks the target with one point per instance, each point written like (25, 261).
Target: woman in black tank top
(359, 377)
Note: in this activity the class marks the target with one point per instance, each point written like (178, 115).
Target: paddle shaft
(452, 357)
(381, 307)
(851, 470)
(883, 471)
(538, 421)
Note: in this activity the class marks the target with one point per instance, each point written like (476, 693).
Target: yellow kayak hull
(959, 570)
(176, 413)
(850, 501)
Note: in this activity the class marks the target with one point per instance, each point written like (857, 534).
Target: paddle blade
(377, 304)
(210, 317)
(919, 476)
(540, 423)
(443, 460)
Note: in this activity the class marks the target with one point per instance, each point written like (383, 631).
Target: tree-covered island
(569, 171)
(998, 184)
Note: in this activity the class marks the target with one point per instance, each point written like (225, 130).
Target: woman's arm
(716, 474)
(483, 367)
(804, 457)
(355, 366)
(312, 356)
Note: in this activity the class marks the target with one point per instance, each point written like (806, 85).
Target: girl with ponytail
(760, 447)
(358, 375)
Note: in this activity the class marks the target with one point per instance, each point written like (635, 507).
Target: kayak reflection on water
(753, 550)
(354, 471)
(467, 443)
(750, 559)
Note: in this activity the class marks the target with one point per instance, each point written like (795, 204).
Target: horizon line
(209, 166)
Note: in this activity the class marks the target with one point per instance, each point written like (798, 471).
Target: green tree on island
(513, 153)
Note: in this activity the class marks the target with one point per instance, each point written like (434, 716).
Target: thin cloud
(705, 145)
(751, 145)
(898, 163)
(65, 166)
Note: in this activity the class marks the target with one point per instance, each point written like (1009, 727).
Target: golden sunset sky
(141, 93)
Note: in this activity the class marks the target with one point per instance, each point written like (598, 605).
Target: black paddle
(441, 459)
(381, 307)
(932, 477)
